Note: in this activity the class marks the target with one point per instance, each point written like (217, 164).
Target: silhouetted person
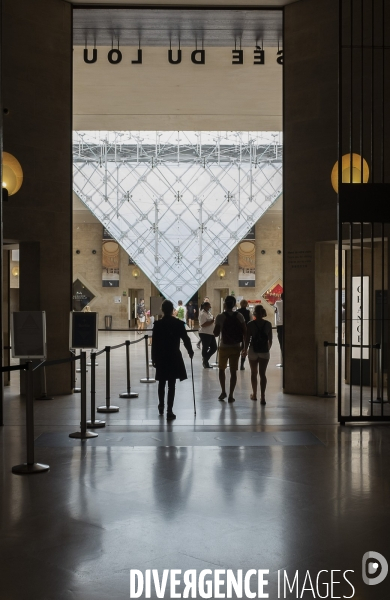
(231, 326)
(246, 313)
(258, 343)
(279, 324)
(166, 356)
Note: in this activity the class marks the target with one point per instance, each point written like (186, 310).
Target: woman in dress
(166, 356)
(259, 341)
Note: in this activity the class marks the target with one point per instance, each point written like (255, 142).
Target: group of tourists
(240, 334)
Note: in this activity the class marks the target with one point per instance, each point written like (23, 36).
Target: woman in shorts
(259, 341)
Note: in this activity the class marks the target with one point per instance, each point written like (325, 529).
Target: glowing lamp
(357, 175)
(12, 174)
(136, 273)
(15, 271)
(221, 273)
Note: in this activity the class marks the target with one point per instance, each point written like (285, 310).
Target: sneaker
(222, 396)
(263, 402)
(231, 399)
(207, 366)
(171, 416)
(160, 410)
(198, 345)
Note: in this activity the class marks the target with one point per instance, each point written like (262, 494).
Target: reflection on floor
(238, 487)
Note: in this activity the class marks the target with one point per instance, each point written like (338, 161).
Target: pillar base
(147, 380)
(79, 435)
(128, 395)
(108, 409)
(32, 469)
(95, 424)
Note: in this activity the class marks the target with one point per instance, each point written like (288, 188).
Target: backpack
(260, 340)
(140, 310)
(231, 330)
(180, 313)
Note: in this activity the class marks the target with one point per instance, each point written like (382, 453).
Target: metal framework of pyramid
(177, 202)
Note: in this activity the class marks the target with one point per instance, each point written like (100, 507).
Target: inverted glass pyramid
(178, 202)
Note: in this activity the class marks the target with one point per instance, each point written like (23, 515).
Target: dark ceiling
(159, 27)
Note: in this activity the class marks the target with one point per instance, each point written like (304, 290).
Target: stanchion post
(94, 423)
(108, 408)
(76, 389)
(128, 393)
(147, 379)
(30, 467)
(44, 395)
(326, 373)
(83, 434)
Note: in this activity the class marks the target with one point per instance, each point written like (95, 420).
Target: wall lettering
(170, 57)
(198, 57)
(238, 57)
(89, 61)
(114, 56)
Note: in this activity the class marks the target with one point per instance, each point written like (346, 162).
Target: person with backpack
(259, 341)
(181, 311)
(246, 313)
(230, 325)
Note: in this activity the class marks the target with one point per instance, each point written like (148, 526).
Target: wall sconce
(221, 273)
(15, 271)
(12, 174)
(136, 273)
(346, 171)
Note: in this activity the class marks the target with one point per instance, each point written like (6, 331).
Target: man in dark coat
(166, 355)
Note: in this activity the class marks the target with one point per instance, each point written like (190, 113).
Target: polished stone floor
(239, 486)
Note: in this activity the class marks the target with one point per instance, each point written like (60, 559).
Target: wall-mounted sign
(174, 57)
(247, 260)
(110, 261)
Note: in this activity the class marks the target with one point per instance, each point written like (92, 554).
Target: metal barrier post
(147, 379)
(83, 434)
(89, 363)
(108, 408)
(31, 467)
(76, 390)
(326, 373)
(128, 393)
(94, 423)
(44, 395)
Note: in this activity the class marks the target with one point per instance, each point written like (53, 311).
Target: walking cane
(193, 386)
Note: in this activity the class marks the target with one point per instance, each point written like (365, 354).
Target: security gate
(363, 169)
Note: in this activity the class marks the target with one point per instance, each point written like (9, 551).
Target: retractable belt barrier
(32, 467)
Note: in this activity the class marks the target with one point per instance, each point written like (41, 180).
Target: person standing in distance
(246, 313)
(141, 315)
(279, 324)
(206, 334)
(206, 299)
(181, 311)
(259, 341)
(166, 356)
(191, 313)
(231, 326)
